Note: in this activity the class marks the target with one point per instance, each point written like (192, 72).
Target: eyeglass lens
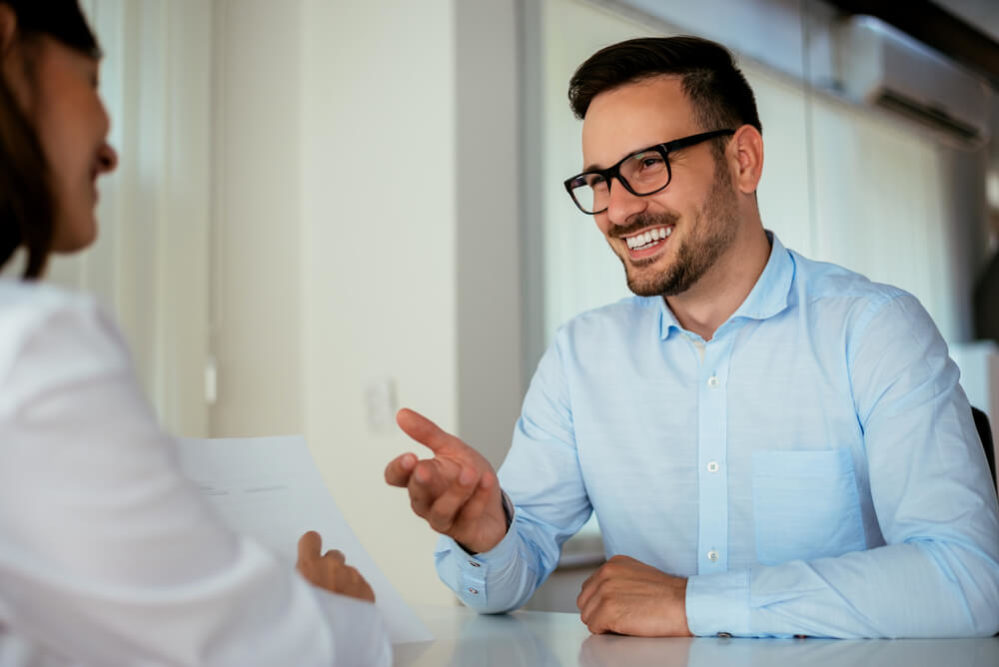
(645, 173)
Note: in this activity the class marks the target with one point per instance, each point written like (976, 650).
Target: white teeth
(651, 236)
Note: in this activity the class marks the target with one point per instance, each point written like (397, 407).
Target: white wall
(256, 315)
(378, 249)
(357, 251)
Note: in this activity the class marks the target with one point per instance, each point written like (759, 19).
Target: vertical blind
(149, 265)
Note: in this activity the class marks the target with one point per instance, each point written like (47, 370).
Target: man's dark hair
(26, 205)
(719, 93)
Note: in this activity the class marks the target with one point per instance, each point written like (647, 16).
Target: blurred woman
(108, 556)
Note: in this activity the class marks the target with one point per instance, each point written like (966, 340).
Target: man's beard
(712, 232)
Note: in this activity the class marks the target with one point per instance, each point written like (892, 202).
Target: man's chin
(648, 277)
(648, 285)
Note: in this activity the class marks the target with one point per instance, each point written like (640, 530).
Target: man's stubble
(712, 232)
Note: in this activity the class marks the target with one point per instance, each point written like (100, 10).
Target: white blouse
(108, 556)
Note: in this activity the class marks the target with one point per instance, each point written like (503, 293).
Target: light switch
(379, 398)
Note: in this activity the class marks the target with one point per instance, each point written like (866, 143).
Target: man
(773, 446)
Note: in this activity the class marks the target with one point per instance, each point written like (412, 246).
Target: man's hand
(330, 571)
(456, 491)
(631, 598)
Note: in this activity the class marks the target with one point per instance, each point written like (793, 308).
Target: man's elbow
(483, 604)
(985, 621)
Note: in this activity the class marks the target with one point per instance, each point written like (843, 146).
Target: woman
(107, 555)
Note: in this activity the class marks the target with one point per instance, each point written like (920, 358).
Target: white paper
(271, 490)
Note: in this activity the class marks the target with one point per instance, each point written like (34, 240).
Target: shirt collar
(768, 297)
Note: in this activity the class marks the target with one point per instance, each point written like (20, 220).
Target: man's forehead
(633, 116)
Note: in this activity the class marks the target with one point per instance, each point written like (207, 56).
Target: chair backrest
(985, 434)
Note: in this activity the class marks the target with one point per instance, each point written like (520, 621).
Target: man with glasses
(772, 445)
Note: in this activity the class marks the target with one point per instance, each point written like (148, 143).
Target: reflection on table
(546, 639)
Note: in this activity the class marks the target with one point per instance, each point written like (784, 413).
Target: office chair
(985, 433)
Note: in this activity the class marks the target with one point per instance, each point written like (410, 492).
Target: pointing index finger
(424, 431)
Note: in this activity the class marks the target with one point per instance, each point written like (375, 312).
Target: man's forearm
(919, 589)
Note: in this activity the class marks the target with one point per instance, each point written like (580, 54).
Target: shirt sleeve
(938, 574)
(542, 477)
(109, 555)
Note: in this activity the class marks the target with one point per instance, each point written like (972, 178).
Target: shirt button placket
(712, 449)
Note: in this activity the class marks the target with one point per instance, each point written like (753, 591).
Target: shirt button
(713, 381)
(712, 466)
(473, 563)
(713, 556)
(473, 591)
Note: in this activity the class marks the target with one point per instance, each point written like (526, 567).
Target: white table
(544, 639)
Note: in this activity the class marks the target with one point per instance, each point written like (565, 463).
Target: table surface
(544, 639)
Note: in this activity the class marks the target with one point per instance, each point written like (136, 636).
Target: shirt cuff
(474, 570)
(718, 604)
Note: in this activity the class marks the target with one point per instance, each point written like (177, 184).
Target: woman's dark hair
(26, 206)
(719, 93)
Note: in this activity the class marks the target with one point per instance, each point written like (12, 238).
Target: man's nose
(622, 205)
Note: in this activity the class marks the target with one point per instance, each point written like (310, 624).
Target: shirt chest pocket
(805, 505)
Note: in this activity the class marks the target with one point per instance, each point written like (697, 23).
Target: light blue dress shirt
(813, 468)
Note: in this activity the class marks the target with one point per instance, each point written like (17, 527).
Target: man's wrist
(508, 513)
(683, 608)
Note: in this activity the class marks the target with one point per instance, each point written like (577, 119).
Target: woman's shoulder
(27, 307)
(47, 331)
(19, 297)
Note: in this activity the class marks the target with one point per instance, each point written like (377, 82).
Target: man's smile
(648, 241)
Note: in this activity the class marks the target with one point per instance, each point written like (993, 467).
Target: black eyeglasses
(643, 173)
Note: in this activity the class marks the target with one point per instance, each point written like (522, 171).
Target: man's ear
(746, 148)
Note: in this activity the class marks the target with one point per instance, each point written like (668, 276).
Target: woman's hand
(330, 570)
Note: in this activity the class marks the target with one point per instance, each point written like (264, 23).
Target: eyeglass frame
(664, 149)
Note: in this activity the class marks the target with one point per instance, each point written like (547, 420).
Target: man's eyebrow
(643, 149)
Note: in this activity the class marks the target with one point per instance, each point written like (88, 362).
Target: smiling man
(772, 445)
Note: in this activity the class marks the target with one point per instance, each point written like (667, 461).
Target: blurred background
(326, 210)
